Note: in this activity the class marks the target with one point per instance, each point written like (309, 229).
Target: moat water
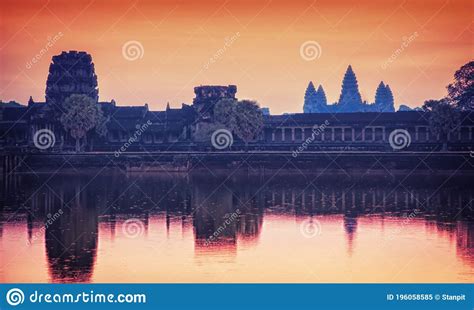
(112, 226)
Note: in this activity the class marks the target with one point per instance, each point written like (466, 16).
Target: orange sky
(180, 37)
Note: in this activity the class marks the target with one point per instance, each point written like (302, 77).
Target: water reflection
(224, 216)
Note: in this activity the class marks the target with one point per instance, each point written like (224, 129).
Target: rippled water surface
(109, 226)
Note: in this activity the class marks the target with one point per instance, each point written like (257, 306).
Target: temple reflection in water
(222, 212)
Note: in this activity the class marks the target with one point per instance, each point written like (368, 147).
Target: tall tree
(224, 112)
(248, 121)
(350, 99)
(444, 119)
(461, 91)
(82, 114)
(244, 118)
(310, 99)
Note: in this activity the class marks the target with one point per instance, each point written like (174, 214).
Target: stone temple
(350, 99)
(357, 126)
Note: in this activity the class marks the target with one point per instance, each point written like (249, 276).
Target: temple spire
(384, 98)
(350, 98)
(321, 96)
(310, 99)
(380, 94)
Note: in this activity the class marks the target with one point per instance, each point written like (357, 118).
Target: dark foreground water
(110, 226)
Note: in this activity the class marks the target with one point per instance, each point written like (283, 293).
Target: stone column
(343, 133)
(383, 134)
(283, 134)
(293, 134)
(353, 133)
(363, 134)
(416, 133)
(332, 134)
(302, 133)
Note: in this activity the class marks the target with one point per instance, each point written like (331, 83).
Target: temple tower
(71, 73)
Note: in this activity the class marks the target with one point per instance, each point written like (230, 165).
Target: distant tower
(71, 73)
(310, 105)
(389, 104)
(350, 99)
(208, 96)
(384, 99)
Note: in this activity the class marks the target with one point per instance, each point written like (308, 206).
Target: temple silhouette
(358, 125)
